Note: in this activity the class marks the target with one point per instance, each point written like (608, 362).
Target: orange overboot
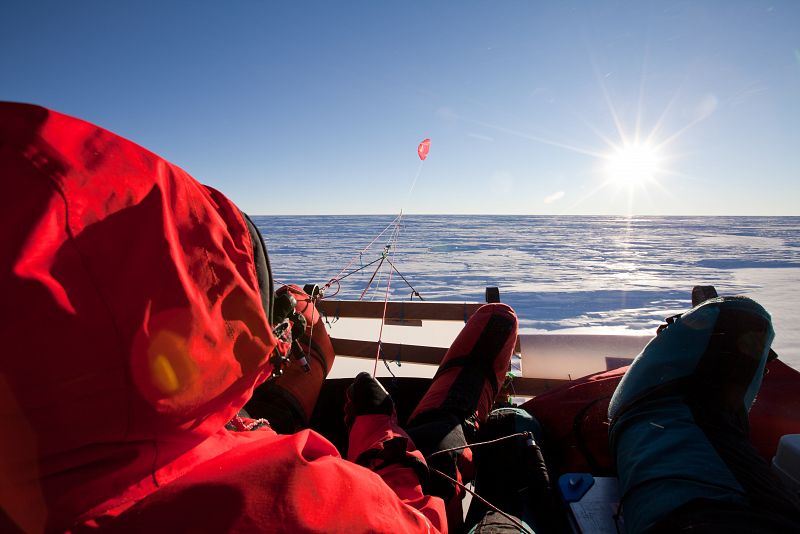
(288, 401)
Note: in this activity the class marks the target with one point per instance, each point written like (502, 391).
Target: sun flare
(632, 164)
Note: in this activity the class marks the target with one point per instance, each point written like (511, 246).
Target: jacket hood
(133, 327)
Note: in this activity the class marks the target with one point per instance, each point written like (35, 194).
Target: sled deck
(417, 333)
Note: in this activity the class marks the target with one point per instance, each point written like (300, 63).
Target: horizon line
(391, 214)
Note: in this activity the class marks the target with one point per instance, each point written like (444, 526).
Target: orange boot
(288, 401)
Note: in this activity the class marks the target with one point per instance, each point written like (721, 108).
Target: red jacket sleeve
(281, 483)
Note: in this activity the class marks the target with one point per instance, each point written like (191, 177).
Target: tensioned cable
(359, 269)
(522, 527)
(511, 518)
(415, 292)
(525, 434)
(336, 278)
(390, 246)
(369, 284)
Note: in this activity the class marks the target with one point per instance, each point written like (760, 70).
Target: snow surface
(567, 274)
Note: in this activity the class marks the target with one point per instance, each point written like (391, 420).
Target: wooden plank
(391, 351)
(530, 387)
(404, 310)
(523, 386)
(404, 322)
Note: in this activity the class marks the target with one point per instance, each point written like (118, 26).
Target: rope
(395, 222)
(312, 301)
(385, 363)
(389, 246)
(383, 321)
(511, 518)
(384, 257)
(480, 443)
(414, 291)
(338, 288)
(371, 279)
(416, 177)
(377, 286)
(337, 281)
(335, 278)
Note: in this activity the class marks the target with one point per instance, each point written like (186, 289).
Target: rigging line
(339, 279)
(313, 303)
(376, 288)
(385, 363)
(384, 257)
(310, 301)
(395, 228)
(326, 286)
(392, 242)
(370, 293)
(391, 245)
(378, 268)
(395, 222)
(404, 280)
(383, 321)
(338, 288)
(525, 434)
(511, 518)
(414, 182)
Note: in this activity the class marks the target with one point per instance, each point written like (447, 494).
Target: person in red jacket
(136, 306)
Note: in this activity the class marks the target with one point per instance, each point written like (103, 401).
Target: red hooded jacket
(132, 331)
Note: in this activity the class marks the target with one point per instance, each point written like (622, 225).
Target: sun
(633, 164)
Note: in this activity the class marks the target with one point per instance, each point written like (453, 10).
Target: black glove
(366, 396)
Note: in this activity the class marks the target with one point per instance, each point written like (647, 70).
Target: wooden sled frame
(412, 313)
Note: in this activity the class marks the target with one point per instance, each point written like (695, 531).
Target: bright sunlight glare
(632, 164)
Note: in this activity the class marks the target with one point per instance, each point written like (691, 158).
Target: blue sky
(314, 108)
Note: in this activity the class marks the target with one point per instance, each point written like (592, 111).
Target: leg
(511, 474)
(461, 395)
(679, 427)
